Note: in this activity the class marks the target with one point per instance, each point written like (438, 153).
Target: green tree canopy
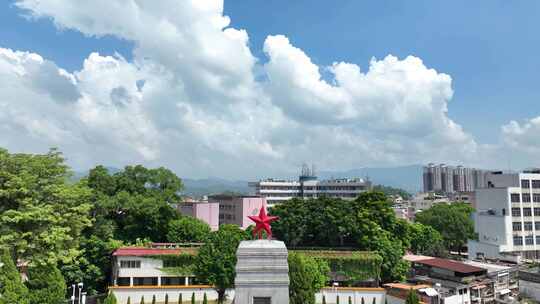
(46, 285)
(41, 215)
(111, 299)
(307, 276)
(12, 290)
(412, 297)
(452, 221)
(426, 241)
(188, 229)
(216, 260)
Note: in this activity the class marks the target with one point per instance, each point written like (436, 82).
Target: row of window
(153, 281)
(227, 217)
(130, 264)
(526, 211)
(525, 197)
(313, 188)
(525, 183)
(529, 240)
(516, 226)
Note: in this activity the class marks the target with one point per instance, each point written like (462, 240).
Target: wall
(355, 293)
(530, 289)
(122, 293)
(149, 267)
(209, 213)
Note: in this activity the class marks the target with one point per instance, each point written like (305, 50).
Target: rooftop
(450, 265)
(142, 251)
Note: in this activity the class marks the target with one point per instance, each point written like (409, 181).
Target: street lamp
(73, 295)
(80, 285)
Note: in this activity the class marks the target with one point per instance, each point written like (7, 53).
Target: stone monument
(262, 270)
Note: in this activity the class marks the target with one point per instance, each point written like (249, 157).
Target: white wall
(530, 289)
(122, 294)
(149, 267)
(356, 295)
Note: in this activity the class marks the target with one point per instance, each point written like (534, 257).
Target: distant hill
(206, 186)
(408, 178)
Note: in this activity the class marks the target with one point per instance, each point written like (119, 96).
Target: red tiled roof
(137, 251)
(450, 265)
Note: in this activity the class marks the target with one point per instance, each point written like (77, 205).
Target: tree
(111, 299)
(142, 300)
(337, 299)
(153, 299)
(12, 290)
(362, 301)
(180, 298)
(425, 240)
(412, 297)
(323, 299)
(128, 300)
(188, 229)
(350, 300)
(307, 276)
(166, 298)
(46, 285)
(374, 301)
(193, 298)
(205, 300)
(387, 190)
(452, 221)
(39, 207)
(217, 258)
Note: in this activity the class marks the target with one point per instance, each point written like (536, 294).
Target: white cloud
(524, 137)
(189, 99)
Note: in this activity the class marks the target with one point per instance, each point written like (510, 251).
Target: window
(536, 211)
(516, 226)
(528, 226)
(518, 240)
(172, 281)
(130, 264)
(538, 239)
(537, 226)
(514, 197)
(516, 212)
(536, 197)
(527, 212)
(525, 183)
(529, 240)
(122, 281)
(262, 300)
(536, 184)
(526, 197)
(148, 281)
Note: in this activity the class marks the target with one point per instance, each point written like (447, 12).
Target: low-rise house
(529, 282)
(160, 270)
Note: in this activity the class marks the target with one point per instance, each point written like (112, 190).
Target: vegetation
(387, 190)
(12, 288)
(307, 276)
(425, 240)
(452, 221)
(111, 299)
(412, 297)
(46, 285)
(217, 258)
(188, 229)
(39, 207)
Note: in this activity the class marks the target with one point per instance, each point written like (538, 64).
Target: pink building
(235, 209)
(205, 211)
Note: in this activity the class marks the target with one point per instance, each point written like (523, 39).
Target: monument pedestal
(262, 273)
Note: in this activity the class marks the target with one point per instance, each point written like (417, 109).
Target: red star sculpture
(262, 222)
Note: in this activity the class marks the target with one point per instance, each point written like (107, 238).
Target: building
(529, 283)
(448, 179)
(236, 209)
(206, 211)
(468, 282)
(507, 217)
(159, 270)
(309, 186)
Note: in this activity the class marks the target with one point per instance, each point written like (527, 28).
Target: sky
(243, 89)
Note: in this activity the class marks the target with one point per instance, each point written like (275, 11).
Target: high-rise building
(507, 217)
(448, 179)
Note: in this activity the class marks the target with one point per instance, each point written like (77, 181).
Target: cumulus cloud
(190, 99)
(524, 136)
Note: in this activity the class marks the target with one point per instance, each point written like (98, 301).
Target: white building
(507, 217)
(278, 191)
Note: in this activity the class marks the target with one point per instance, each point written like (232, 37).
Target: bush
(111, 299)
(46, 285)
(11, 287)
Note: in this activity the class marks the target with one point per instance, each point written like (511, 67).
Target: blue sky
(489, 48)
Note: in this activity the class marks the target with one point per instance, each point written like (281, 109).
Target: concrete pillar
(131, 281)
(158, 281)
(186, 281)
